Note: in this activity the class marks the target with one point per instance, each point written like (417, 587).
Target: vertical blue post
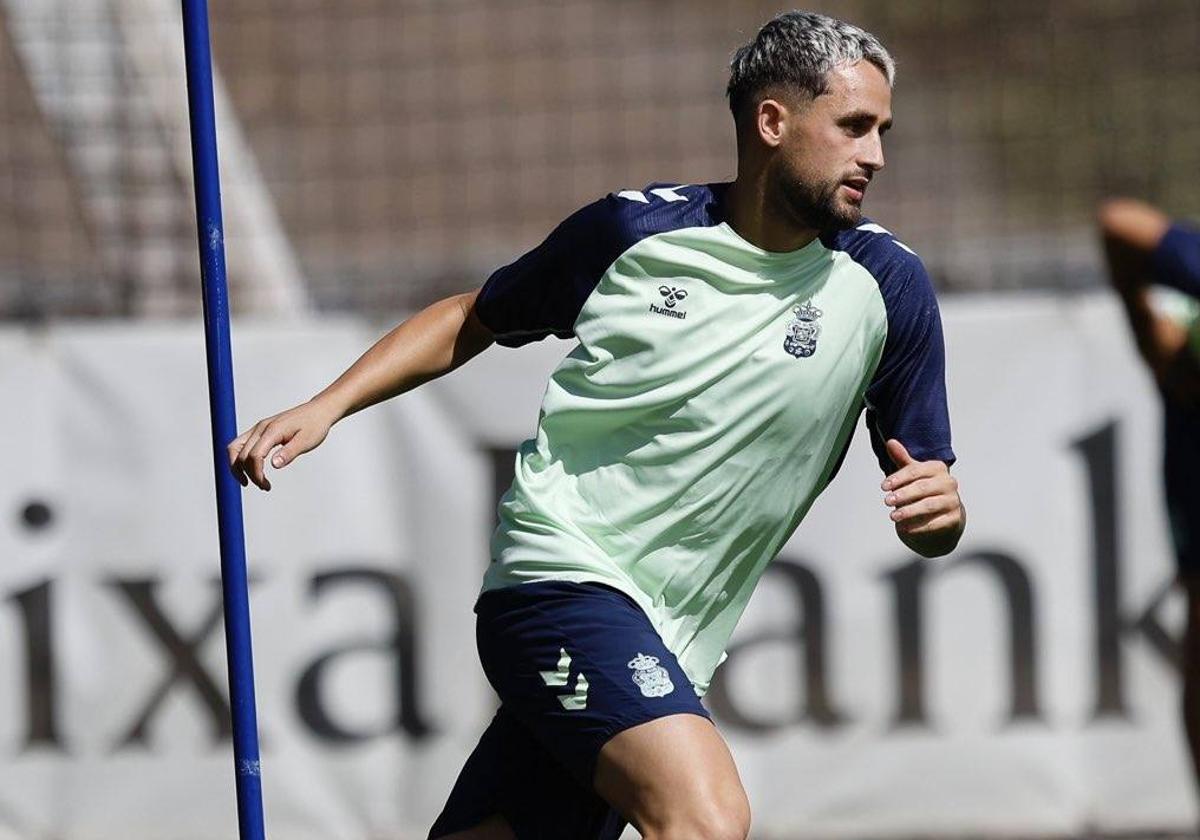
(224, 420)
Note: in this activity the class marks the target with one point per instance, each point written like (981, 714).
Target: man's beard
(816, 206)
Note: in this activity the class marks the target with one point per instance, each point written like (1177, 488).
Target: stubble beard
(817, 206)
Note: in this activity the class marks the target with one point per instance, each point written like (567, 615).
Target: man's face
(831, 147)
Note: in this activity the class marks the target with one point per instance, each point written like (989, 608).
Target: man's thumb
(284, 455)
(898, 454)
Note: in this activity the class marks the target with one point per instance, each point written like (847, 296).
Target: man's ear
(770, 121)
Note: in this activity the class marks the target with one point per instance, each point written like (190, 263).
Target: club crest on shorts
(650, 677)
(803, 331)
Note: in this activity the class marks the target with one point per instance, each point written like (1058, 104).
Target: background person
(1145, 248)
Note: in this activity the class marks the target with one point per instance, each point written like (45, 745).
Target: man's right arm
(435, 341)
(538, 295)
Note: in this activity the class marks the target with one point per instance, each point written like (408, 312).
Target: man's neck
(750, 212)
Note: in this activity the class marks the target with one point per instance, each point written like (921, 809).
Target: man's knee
(728, 819)
(724, 816)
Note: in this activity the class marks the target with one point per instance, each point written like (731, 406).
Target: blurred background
(402, 149)
(379, 154)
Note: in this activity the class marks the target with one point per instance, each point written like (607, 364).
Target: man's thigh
(674, 776)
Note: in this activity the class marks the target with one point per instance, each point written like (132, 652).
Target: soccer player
(729, 336)
(1145, 248)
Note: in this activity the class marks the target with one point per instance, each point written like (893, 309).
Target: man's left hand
(926, 507)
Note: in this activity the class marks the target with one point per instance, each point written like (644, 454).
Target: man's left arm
(926, 507)
(908, 416)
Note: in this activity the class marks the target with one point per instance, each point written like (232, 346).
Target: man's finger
(271, 437)
(258, 467)
(287, 453)
(928, 524)
(918, 489)
(913, 472)
(234, 447)
(258, 474)
(231, 452)
(234, 450)
(898, 454)
(254, 468)
(923, 507)
(252, 438)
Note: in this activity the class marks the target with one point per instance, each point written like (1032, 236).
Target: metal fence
(379, 153)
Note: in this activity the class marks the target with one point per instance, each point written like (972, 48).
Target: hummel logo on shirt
(671, 297)
(672, 294)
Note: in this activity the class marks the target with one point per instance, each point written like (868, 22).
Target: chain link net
(409, 147)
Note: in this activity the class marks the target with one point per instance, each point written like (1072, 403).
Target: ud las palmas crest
(651, 678)
(803, 331)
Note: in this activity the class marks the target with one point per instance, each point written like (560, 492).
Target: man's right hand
(436, 340)
(294, 431)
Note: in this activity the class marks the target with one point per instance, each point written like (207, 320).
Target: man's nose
(871, 153)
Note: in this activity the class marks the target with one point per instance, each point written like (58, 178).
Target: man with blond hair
(729, 337)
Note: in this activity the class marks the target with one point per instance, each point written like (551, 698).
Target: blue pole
(224, 419)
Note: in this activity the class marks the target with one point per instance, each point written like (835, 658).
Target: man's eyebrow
(862, 117)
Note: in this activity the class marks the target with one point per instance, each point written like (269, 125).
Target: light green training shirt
(710, 399)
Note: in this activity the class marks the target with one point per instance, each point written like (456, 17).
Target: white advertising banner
(1026, 685)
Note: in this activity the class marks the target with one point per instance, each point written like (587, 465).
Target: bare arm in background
(1131, 231)
(435, 341)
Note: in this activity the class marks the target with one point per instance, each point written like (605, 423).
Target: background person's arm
(1131, 231)
(435, 341)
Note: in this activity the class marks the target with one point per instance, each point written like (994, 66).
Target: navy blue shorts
(574, 664)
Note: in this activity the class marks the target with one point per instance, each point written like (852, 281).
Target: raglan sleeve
(906, 398)
(1176, 259)
(542, 292)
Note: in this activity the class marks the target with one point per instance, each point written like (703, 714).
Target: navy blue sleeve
(906, 399)
(1176, 260)
(542, 293)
